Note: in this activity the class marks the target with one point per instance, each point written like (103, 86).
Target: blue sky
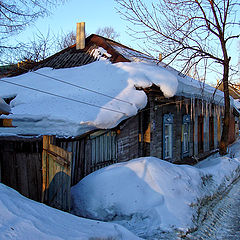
(96, 14)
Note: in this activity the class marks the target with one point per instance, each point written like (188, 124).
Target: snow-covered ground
(24, 219)
(150, 196)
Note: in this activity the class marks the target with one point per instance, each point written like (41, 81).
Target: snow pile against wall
(36, 112)
(149, 195)
(21, 218)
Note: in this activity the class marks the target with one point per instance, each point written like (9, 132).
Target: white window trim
(168, 145)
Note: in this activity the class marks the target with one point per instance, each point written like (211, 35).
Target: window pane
(185, 137)
(166, 130)
(168, 140)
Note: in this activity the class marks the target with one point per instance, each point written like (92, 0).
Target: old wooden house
(180, 127)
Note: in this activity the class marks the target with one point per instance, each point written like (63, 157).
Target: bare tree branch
(192, 33)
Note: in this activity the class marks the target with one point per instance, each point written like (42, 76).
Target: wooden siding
(77, 147)
(204, 126)
(56, 175)
(90, 152)
(21, 164)
(128, 140)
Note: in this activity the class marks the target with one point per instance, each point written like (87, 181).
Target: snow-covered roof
(70, 109)
(133, 55)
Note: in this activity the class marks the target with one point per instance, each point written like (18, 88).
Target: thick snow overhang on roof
(67, 110)
(64, 113)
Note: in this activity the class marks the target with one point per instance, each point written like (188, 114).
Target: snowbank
(149, 195)
(21, 218)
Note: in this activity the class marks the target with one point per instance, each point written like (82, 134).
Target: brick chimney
(80, 36)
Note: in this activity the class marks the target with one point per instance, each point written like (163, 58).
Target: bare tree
(190, 31)
(108, 32)
(16, 15)
(37, 49)
(66, 40)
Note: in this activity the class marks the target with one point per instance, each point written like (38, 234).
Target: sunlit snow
(148, 195)
(71, 109)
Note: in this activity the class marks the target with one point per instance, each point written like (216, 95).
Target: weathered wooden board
(56, 170)
(21, 166)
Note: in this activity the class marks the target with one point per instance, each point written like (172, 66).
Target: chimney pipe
(80, 36)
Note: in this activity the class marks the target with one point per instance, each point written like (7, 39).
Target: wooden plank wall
(77, 147)
(128, 140)
(56, 165)
(82, 149)
(21, 164)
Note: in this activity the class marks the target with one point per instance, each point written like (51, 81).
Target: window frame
(168, 146)
(103, 147)
(185, 125)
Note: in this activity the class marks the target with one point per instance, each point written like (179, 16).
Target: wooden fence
(44, 168)
(21, 165)
(37, 169)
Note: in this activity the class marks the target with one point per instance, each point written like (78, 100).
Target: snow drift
(149, 195)
(21, 218)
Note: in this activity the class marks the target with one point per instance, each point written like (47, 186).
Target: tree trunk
(224, 138)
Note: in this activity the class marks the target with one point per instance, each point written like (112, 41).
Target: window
(103, 148)
(185, 135)
(167, 135)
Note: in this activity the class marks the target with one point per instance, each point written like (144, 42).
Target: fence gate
(56, 175)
